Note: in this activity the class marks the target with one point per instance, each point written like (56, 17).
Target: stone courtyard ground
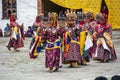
(18, 66)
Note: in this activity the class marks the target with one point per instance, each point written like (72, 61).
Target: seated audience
(29, 32)
(116, 77)
(101, 78)
(1, 34)
(7, 30)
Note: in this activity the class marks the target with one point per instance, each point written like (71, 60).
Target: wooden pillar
(40, 6)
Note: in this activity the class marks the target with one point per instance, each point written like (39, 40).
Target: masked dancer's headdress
(52, 18)
(71, 18)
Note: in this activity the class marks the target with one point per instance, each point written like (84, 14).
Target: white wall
(26, 13)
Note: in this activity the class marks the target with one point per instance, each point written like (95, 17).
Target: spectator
(104, 10)
(29, 32)
(7, 31)
(116, 77)
(1, 34)
(101, 78)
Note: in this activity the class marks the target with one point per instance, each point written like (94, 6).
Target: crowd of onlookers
(7, 31)
(115, 77)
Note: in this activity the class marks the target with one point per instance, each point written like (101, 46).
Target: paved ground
(18, 66)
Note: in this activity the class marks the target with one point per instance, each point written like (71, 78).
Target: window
(8, 7)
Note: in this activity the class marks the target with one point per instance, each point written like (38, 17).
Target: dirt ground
(18, 66)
